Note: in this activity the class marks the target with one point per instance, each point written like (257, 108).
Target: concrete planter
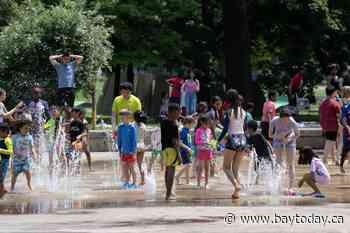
(101, 140)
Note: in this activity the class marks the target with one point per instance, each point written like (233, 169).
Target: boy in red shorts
(127, 143)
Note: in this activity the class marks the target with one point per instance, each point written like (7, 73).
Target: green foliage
(145, 31)
(37, 32)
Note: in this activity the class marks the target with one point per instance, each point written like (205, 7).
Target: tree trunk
(130, 73)
(237, 45)
(207, 14)
(117, 68)
(94, 109)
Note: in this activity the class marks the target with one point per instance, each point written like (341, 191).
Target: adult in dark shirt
(170, 144)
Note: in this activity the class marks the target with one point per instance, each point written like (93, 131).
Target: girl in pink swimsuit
(203, 136)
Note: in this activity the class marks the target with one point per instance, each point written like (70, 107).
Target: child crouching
(318, 173)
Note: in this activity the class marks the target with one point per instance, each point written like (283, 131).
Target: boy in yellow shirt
(6, 150)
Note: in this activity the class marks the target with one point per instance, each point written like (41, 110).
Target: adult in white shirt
(4, 114)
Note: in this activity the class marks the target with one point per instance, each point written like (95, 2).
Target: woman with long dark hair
(235, 140)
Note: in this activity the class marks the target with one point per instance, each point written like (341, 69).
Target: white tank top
(237, 124)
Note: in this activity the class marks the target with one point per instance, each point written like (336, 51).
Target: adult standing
(284, 131)
(295, 86)
(66, 77)
(4, 114)
(125, 101)
(329, 120)
(235, 140)
(189, 91)
(269, 112)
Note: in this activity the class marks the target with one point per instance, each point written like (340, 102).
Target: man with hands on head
(66, 77)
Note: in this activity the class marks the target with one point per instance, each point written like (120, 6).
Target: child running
(203, 136)
(6, 150)
(186, 139)
(24, 152)
(170, 144)
(318, 173)
(140, 120)
(127, 145)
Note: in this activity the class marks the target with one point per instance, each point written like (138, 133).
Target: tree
(37, 32)
(237, 44)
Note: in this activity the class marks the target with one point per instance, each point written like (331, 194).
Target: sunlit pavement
(94, 203)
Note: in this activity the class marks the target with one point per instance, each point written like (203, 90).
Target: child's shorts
(128, 158)
(205, 155)
(19, 166)
(72, 154)
(4, 165)
(185, 157)
(170, 156)
(2, 178)
(236, 142)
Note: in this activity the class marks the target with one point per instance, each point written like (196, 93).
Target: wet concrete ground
(93, 203)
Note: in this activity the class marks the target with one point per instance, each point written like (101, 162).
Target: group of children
(193, 140)
(28, 128)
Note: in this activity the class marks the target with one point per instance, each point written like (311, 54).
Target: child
(6, 150)
(203, 136)
(249, 111)
(318, 173)
(39, 110)
(170, 145)
(23, 153)
(259, 144)
(216, 113)
(269, 112)
(156, 149)
(140, 120)
(164, 105)
(127, 145)
(285, 131)
(85, 139)
(185, 137)
(51, 128)
(76, 132)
